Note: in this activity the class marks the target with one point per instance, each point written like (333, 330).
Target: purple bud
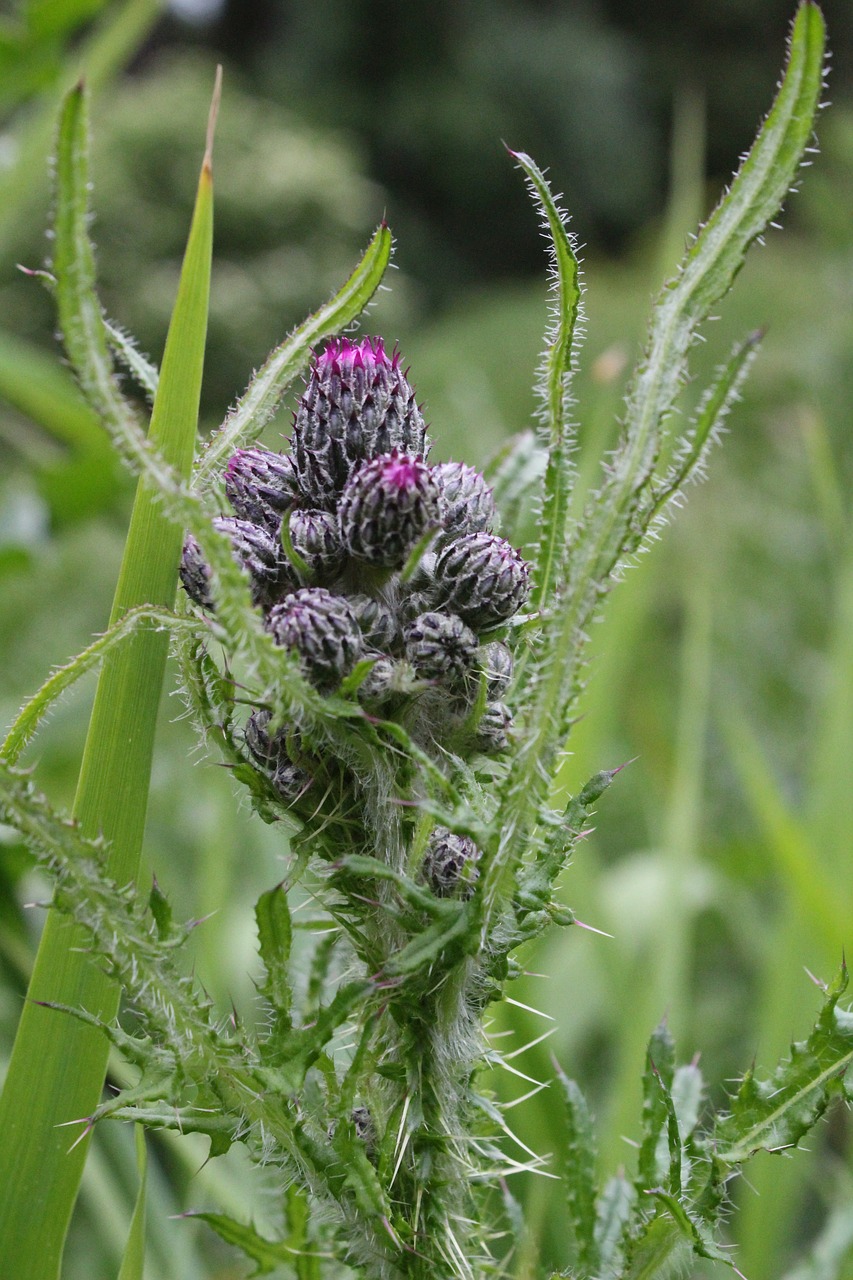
(322, 628)
(357, 404)
(441, 647)
(387, 506)
(260, 554)
(261, 486)
(467, 505)
(450, 864)
(314, 535)
(195, 573)
(255, 550)
(482, 578)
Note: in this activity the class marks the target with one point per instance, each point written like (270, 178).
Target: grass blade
(57, 1068)
(133, 1262)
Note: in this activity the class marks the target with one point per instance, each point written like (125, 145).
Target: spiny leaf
(554, 377)
(266, 1254)
(275, 935)
(773, 1115)
(657, 1108)
(34, 711)
(577, 1160)
(613, 1214)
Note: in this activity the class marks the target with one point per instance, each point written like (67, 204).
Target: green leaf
(577, 1168)
(614, 525)
(515, 475)
(553, 387)
(266, 1254)
(666, 1243)
(662, 1251)
(613, 1214)
(56, 1070)
(275, 935)
(718, 252)
(133, 1262)
(773, 1115)
(657, 1109)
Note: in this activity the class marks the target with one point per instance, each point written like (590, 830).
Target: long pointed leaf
(57, 1069)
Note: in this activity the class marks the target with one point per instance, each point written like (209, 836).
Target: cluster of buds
(360, 552)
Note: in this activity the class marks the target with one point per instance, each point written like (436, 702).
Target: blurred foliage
(292, 210)
(590, 87)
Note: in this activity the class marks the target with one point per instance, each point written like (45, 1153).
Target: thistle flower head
(261, 486)
(387, 505)
(323, 630)
(357, 403)
(314, 535)
(450, 864)
(194, 572)
(467, 504)
(497, 667)
(378, 624)
(482, 578)
(441, 647)
(492, 733)
(260, 554)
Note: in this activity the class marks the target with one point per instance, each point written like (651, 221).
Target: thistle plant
(392, 682)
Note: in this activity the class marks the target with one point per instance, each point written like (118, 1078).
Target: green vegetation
(720, 858)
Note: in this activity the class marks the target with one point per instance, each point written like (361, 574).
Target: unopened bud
(387, 506)
(322, 628)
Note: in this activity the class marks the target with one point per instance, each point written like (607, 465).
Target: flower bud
(357, 404)
(255, 550)
(497, 667)
(467, 505)
(266, 748)
(482, 578)
(450, 864)
(377, 687)
(195, 573)
(261, 486)
(322, 628)
(387, 506)
(260, 554)
(492, 733)
(314, 535)
(377, 622)
(290, 781)
(441, 647)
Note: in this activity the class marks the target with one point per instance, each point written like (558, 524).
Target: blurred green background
(722, 860)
